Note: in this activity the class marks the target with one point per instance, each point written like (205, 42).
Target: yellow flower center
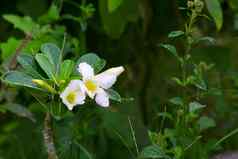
(91, 86)
(71, 97)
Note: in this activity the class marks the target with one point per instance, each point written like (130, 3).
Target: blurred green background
(128, 36)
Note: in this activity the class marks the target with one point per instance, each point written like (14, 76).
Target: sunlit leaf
(214, 8)
(114, 4)
(25, 24)
(66, 69)
(9, 48)
(51, 16)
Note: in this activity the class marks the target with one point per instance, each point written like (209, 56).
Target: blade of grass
(226, 137)
(133, 136)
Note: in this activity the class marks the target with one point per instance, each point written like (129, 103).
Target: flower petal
(86, 70)
(80, 98)
(107, 78)
(90, 93)
(73, 94)
(102, 98)
(116, 70)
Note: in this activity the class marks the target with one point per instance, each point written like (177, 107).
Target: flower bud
(44, 85)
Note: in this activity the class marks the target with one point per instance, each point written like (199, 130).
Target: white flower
(73, 94)
(95, 85)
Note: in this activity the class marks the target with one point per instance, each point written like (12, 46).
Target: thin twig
(48, 138)
(24, 42)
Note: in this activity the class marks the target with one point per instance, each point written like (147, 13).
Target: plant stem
(24, 42)
(48, 138)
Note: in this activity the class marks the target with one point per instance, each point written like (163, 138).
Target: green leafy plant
(49, 73)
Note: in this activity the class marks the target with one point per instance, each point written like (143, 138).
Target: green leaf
(46, 65)
(153, 151)
(8, 48)
(53, 53)
(205, 123)
(92, 59)
(113, 95)
(170, 48)
(214, 8)
(25, 24)
(175, 34)
(19, 79)
(205, 39)
(51, 16)
(194, 106)
(114, 4)
(29, 65)
(66, 69)
(176, 101)
(19, 110)
(114, 23)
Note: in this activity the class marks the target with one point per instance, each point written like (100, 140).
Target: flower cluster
(91, 85)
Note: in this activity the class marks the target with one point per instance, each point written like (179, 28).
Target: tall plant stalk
(48, 137)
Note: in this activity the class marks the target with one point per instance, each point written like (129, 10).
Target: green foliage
(9, 47)
(113, 95)
(175, 34)
(179, 104)
(215, 10)
(114, 4)
(194, 106)
(46, 65)
(153, 151)
(29, 65)
(93, 60)
(51, 16)
(66, 69)
(19, 79)
(19, 110)
(205, 123)
(25, 24)
(127, 12)
(170, 48)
